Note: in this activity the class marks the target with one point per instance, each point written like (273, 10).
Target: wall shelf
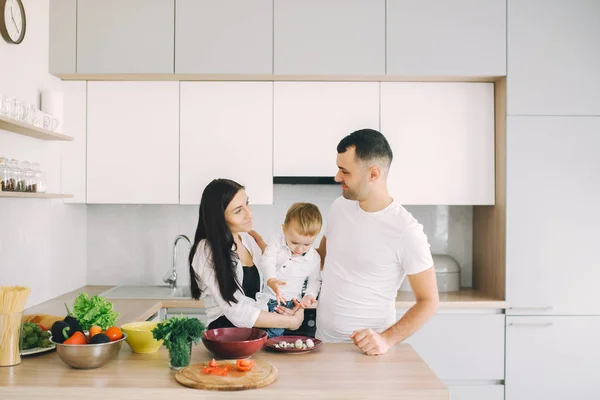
(24, 195)
(20, 128)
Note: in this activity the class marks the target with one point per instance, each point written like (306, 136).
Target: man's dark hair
(369, 144)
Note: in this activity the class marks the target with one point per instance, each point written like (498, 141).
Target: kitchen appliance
(447, 272)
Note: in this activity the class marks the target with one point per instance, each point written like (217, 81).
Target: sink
(148, 292)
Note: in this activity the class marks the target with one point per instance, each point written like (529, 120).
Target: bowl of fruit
(85, 341)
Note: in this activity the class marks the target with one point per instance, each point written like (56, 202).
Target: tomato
(114, 333)
(94, 330)
(208, 370)
(213, 363)
(244, 365)
(220, 372)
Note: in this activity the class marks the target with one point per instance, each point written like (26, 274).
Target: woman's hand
(274, 284)
(308, 301)
(296, 315)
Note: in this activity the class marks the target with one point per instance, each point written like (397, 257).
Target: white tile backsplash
(132, 244)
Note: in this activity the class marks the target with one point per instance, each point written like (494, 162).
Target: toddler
(290, 259)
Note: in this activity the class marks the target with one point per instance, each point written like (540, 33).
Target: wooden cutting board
(262, 374)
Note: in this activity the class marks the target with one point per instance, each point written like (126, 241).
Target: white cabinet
(125, 37)
(552, 219)
(462, 346)
(227, 132)
(133, 142)
(552, 358)
(477, 392)
(224, 37)
(329, 37)
(442, 137)
(446, 38)
(553, 57)
(312, 117)
(73, 154)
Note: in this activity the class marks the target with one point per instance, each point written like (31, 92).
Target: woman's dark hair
(212, 227)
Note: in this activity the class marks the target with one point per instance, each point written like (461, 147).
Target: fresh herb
(177, 334)
(95, 310)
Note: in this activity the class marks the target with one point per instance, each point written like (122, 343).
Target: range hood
(304, 180)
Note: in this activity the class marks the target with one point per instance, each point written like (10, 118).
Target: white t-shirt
(279, 262)
(368, 256)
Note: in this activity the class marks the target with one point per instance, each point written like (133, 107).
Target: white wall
(42, 242)
(132, 244)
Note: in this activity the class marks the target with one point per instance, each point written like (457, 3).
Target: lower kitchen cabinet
(483, 392)
(462, 346)
(552, 358)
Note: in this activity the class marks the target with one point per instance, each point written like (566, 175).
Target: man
(370, 245)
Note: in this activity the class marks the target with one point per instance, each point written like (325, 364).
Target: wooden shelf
(465, 298)
(25, 195)
(11, 125)
(274, 77)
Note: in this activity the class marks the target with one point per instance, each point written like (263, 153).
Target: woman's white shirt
(242, 314)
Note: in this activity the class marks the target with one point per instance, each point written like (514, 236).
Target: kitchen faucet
(172, 279)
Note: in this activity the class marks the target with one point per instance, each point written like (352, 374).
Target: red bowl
(234, 342)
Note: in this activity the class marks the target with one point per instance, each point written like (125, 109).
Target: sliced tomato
(213, 363)
(244, 365)
(208, 370)
(220, 372)
(227, 368)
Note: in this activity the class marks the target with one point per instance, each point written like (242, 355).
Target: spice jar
(15, 175)
(27, 177)
(4, 175)
(39, 184)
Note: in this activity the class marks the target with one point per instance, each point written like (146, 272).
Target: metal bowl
(88, 356)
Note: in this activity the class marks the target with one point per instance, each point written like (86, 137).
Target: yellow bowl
(139, 337)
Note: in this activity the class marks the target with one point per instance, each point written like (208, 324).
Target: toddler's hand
(274, 285)
(307, 301)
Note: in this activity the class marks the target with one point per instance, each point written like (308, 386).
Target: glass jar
(39, 183)
(15, 175)
(27, 177)
(4, 175)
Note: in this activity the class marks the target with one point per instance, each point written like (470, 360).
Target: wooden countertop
(334, 371)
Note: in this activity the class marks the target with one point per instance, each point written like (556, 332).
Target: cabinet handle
(531, 308)
(532, 324)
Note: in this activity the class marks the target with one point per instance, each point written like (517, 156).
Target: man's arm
(322, 250)
(424, 286)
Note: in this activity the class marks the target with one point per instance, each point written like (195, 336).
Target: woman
(224, 259)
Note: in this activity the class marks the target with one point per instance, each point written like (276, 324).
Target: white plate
(37, 350)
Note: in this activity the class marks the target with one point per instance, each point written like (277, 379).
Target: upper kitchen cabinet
(133, 142)
(62, 37)
(442, 136)
(227, 132)
(553, 57)
(329, 37)
(125, 37)
(224, 37)
(312, 117)
(446, 38)
(552, 215)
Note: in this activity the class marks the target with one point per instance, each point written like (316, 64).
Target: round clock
(12, 21)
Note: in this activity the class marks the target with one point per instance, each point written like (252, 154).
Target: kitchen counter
(142, 309)
(334, 371)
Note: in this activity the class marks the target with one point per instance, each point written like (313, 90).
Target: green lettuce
(95, 310)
